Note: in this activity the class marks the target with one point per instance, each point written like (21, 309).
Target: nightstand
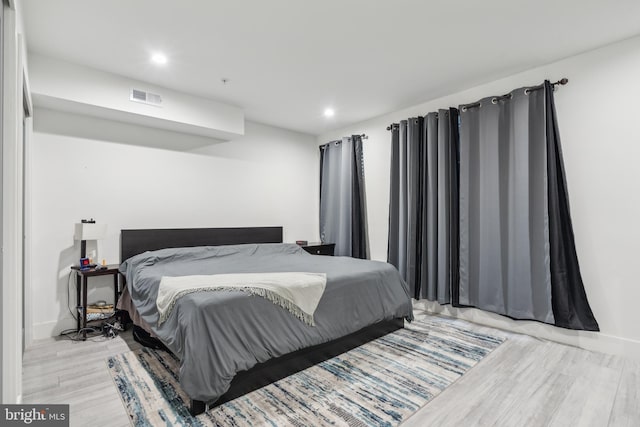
(82, 277)
(320, 248)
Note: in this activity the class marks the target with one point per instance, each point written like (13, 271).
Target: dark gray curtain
(517, 255)
(343, 218)
(423, 210)
(569, 300)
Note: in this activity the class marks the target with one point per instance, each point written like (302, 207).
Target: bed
(230, 343)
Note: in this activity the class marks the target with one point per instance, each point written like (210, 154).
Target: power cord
(106, 330)
(69, 297)
(111, 330)
(75, 335)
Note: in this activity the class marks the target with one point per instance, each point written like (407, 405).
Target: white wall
(266, 178)
(70, 87)
(598, 114)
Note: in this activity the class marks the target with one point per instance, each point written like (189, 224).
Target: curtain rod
(362, 135)
(563, 81)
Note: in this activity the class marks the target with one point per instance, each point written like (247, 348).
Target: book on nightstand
(100, 309)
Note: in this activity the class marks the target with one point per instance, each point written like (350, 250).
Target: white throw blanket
(299, 293)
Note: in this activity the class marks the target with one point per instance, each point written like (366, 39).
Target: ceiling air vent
(149, 98)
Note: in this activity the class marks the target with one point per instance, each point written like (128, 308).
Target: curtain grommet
(494, 101)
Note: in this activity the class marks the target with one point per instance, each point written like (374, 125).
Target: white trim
(594, 341)
(27, 278)
(26, 112)
(11, 215)
(2, 292)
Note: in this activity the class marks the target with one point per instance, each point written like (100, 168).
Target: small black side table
(82, 277)
(319, 248)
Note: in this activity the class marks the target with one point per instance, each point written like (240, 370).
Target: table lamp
(87, 229)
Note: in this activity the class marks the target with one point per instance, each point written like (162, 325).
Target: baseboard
(594, 341)
(52, 328)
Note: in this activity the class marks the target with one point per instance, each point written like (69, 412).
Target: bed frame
(133, 242)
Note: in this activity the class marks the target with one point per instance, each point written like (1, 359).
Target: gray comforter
(217, 334)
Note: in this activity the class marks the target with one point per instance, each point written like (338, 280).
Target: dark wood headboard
(134, 242)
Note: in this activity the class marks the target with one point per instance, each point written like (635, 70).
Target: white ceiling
(287, 60)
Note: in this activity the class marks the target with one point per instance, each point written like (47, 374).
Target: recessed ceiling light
(328, 112)
(159, 58)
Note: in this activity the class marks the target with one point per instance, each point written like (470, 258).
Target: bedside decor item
(85, 263)
(87, 229)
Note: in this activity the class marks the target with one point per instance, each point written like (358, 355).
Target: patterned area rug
(380, 383)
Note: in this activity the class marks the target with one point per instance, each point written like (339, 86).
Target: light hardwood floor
(524, 382)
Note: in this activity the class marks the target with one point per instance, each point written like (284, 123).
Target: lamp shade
(90, 231)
